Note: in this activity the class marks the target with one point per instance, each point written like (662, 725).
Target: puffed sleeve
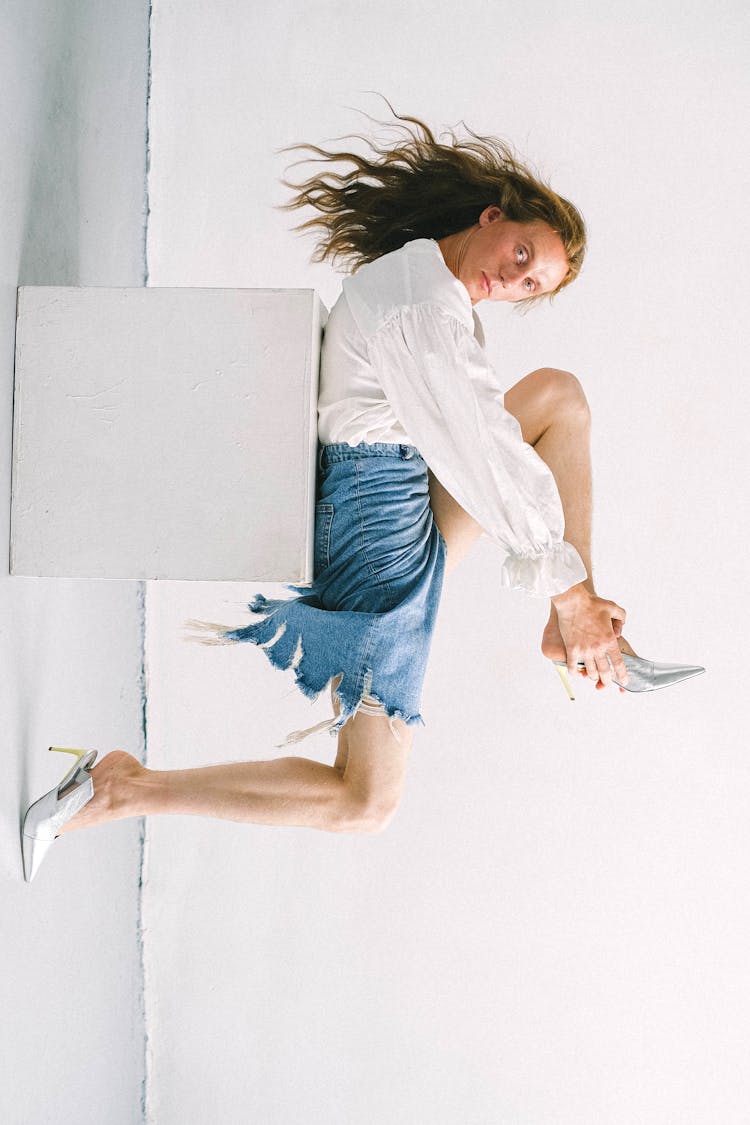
(445, 394)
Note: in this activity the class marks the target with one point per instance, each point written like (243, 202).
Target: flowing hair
(422, 187)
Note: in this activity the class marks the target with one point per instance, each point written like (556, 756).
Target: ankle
(120, 784)
(142, 792)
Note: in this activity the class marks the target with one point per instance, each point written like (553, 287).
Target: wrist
(572, 596)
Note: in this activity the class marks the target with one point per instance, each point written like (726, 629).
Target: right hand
(589, 627)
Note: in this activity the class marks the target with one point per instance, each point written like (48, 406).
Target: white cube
(165, 433)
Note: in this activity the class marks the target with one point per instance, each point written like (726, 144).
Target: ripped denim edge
(283, 657)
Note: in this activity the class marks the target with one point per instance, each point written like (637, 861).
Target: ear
(490, 215)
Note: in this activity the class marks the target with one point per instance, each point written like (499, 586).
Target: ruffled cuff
(543, 575)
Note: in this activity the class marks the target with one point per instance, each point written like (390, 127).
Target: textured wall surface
(72, 183)
(165, 433)
(553, 931)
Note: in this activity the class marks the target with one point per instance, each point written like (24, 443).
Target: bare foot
(113, 776)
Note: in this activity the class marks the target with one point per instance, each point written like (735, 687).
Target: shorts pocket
(322, 550)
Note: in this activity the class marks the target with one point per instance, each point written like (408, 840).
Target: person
(420, 452)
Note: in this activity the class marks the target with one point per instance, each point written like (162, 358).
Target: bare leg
(553, 413)
(551, 408)
(360, 795)
(554, 416)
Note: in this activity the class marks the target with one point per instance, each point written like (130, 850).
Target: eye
(529, 285)
(520, 255)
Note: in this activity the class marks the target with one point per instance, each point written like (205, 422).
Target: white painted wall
(72, 179)
(142, 419)
(554, 929)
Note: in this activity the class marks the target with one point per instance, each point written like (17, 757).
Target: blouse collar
(448, 279)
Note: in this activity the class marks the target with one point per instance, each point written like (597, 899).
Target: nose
(510, 282)
(513, 279)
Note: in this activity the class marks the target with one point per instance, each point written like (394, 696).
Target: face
(507, 261)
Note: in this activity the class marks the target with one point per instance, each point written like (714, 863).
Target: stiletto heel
(562, 668)
(643, 675)
(54, 809)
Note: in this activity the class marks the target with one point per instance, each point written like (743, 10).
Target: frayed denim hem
(365, 625)
(281, 638)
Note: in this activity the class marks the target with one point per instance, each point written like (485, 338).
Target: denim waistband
(342, 451)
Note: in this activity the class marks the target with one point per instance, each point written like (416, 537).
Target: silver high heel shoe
(54, 809)
(643, 675)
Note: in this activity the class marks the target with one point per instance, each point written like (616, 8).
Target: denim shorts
(368, 618)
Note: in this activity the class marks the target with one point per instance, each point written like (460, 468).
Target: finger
(620, 672)
(604, 669)
(619, 613)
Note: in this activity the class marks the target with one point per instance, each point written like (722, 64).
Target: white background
(554, 929)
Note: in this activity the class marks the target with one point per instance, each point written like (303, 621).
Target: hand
(589, 627)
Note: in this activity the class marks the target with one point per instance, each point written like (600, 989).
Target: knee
(368, 812)
(562, 392)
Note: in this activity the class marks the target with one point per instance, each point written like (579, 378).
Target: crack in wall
(143, 865)
(145, 1092)
(147, 173)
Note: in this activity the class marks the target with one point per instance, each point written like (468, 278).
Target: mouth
(486, 282)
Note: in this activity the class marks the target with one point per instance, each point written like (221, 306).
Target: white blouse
(403, 361)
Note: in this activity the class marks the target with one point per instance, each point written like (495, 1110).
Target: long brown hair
(422, 187)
